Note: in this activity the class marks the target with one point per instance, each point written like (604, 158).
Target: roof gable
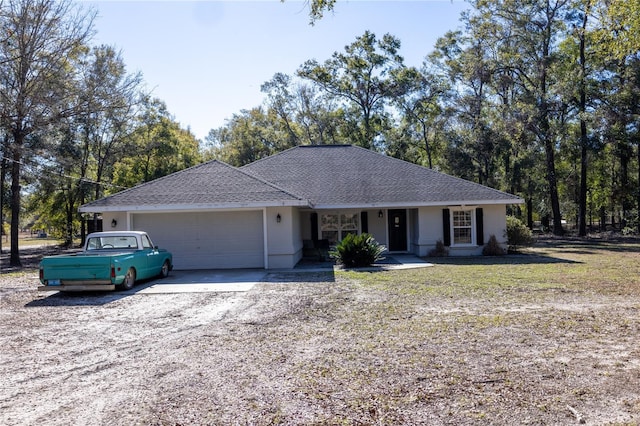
(214, 184)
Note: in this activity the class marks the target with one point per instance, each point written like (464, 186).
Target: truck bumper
(79, 286)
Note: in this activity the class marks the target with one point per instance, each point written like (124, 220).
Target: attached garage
(207, 240)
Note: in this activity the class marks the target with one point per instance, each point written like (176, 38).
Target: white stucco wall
(284, 238)
(378, 226)
(120, 217)
(430, 225)
(413, 221)
(495, 223)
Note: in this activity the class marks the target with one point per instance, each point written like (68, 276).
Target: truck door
(154, 260)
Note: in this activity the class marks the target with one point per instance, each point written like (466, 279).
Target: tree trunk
(638, 193)
(549, 145)
(425, 137)
(625, 159)
(553, 187)
(582, 204)
(3, 168)
(69, 211)
(582, 201)
(14, 259)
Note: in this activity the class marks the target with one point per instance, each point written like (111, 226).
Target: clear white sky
(207, 59)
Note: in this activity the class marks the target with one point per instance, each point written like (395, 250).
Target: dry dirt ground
(324, 348)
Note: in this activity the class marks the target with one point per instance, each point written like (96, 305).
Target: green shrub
(627, 230)
(518, 235)
(357, 251)
(440, 250)
(492, 248)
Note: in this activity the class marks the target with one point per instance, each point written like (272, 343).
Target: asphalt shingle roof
(349, 175)
(319, 175)
(214, 184)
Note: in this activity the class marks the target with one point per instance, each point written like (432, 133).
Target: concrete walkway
(401, 261)
(389, 263)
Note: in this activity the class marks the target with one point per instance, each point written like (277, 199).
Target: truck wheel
(129, 280)
(164, 271)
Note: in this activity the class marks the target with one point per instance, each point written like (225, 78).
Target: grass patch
(486, 339)
(600, 268)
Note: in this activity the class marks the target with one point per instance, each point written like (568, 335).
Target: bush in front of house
(518, 235)
(492, 248)
(357, 251)
(440, 250)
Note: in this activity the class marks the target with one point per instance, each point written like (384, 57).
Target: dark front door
(397, 230)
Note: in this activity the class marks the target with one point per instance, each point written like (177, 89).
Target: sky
(207, 59)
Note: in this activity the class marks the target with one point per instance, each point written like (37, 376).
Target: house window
(462, 226)
(334, 227)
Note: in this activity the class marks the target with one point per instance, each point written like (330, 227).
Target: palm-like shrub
(357, 250)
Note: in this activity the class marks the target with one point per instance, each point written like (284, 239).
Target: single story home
(264, 214)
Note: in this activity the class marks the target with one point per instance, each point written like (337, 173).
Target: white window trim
(473, 225)
(339, 213)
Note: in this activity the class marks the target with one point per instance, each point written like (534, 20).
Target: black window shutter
(314, 226)
(446, 227)
(479, 227)
(364, 218)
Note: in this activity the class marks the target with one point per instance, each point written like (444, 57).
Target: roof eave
(191, 207)
(381, 205)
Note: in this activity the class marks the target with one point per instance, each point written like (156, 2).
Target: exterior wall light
(380, 214)
(278, 218)
(114, 223)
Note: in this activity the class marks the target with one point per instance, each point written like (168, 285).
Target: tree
(526, 39)
(156, 148)
(71, 170)
(577, 53)
(464, 60)
(281, 101)
(306, 115)
(621, 32)
(317, 8)
(55, 196)
(44, 38)
(247, 137)
(619, 127)
(108, 102)
(423, 109)
(366, 77)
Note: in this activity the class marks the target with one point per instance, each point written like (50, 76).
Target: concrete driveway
(237, 280)
(203, 281)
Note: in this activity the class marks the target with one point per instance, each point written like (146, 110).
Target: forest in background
(538, 98)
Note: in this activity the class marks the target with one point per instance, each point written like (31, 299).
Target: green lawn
(551, 336)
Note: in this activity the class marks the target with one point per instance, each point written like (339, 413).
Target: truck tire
(164, 271)
(129, 280)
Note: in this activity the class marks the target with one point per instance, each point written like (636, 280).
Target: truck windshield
(111, 242)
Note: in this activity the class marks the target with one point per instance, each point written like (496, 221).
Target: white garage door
(222, 240)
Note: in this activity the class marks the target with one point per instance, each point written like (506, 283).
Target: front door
(397, 230)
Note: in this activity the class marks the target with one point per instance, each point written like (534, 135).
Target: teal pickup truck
(109, 260)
